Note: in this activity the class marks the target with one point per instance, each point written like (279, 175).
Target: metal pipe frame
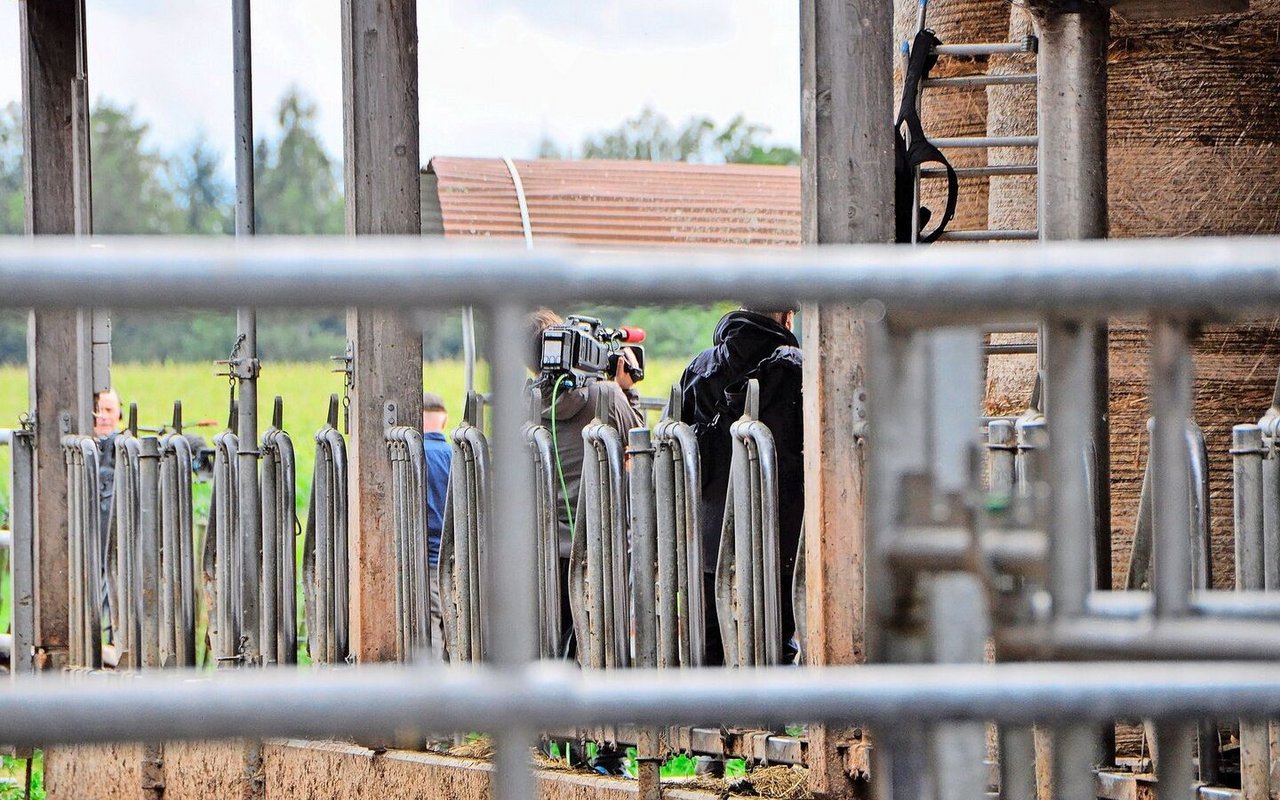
(123, 566)
(514, 700)
(325, 565)
(279, 529)
(409, 491)
(84, 542)
(750, 589)
(22, 564)
(223, 561)
(177, 571)
(599, 567)
(464, 543)
(545, 503)
(678, 485)
(1212, 279)
(376, 701)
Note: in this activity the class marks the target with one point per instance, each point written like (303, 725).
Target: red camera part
(630, 335)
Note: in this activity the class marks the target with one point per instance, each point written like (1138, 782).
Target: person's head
(785, 317)
(626, 362)
(539, 321)
(434, 414)
(106, 412)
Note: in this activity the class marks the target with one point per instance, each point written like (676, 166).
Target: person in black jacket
(748, 344)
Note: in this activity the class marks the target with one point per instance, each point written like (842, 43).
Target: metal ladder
(1029, 44)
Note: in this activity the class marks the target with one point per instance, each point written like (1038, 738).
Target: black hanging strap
(920, 151)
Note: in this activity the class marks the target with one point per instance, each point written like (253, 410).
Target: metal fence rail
(279, 605)
(84, 543)
(325, 566)
(938, 565)
(409, 490)
(677, 477)
(22, 550)
(465, 540)
(747, 578)
(599, 567)
(546, 503)
(223, 553)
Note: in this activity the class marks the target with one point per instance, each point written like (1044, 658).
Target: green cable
(555, 443)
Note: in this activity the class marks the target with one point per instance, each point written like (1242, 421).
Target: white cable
(524, 206)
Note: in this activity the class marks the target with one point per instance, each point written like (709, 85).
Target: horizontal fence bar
(988, 171)
(986, 141)
(990, 236)
(377, 701)
(958, 81)
(1027, 45)
(1225, 278)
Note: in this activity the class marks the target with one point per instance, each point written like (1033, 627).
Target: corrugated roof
(616, 204)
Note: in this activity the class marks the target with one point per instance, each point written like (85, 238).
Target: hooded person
(747, 344)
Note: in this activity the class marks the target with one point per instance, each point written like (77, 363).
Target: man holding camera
(567, 407)
(748, 343)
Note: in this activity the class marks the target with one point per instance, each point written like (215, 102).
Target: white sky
(495, 75)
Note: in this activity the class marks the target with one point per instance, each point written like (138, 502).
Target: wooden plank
(383, 195)
(846, 196)
(49, 40)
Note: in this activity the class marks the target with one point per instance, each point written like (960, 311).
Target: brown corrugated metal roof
(620, 204)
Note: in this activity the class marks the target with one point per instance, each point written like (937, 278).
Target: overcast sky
(495, 75)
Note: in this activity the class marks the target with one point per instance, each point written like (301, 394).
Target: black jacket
(712, 393)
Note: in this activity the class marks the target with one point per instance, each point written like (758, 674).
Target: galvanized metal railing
(409, 493)
(465, 540)
(748, 583)
(124, 568)
(85, 551)
(546, 505)
(223, 552)
(279, 603)
(326, 587)
(680, 604)
(599, 569)
(1199, 535)
(177, 556)
(922, 535)
(22, 564)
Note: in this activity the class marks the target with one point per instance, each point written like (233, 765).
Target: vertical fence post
(512, 599)
(644, 565)
(1246, 453)
(1171, 399)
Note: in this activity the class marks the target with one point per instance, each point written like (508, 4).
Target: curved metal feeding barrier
(599, 568)
(748, 583)
(464, 541)
(325, 561)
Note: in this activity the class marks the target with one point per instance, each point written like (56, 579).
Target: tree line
(139, 189)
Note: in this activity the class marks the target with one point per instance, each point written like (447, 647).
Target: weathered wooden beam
(383, 195)
(847, 196)
(51, 37)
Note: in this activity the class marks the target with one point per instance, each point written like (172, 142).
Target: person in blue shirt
(438, 454)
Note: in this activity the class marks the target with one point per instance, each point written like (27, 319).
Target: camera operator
(566, 412)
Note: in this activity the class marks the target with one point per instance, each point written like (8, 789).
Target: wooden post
(380, 122)
(847, 196)
(52, 34)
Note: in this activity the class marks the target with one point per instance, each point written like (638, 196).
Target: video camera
(583, 349)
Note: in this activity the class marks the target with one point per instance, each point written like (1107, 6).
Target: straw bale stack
(950, 111)
(1193, 150)
(1194, 129)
